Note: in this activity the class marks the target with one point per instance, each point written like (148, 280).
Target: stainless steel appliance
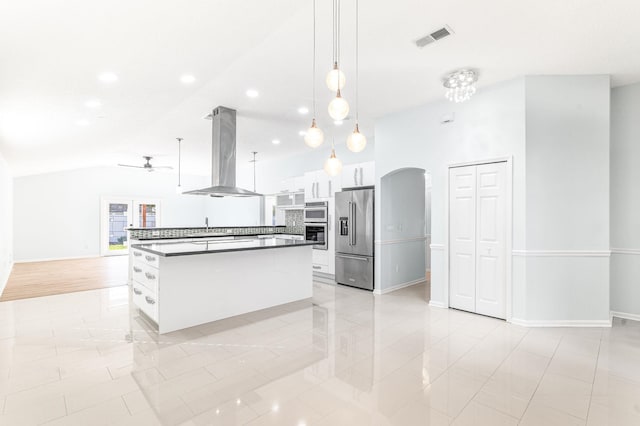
(317, 232)
(317, 212)
(354, 238)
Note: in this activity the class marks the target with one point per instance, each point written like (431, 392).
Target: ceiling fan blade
(162, 167)
(129, 165)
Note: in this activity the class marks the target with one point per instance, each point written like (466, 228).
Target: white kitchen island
(184, 284)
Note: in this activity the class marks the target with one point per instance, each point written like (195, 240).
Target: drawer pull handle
(136, 291)
(137, 254)
(136, 269)
(317, 267)
(149, 276)
(150, 258)
(150, 300)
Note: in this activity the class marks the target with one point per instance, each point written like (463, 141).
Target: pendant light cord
(357, 61)
(333, 34)
(179, 158)
(313, 83)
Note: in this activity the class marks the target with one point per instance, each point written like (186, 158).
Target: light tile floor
(348, 358)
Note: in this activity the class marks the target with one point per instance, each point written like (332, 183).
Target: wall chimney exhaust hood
(223, 157)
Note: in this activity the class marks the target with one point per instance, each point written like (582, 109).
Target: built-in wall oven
(316, 224)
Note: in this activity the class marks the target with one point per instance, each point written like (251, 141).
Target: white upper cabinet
(293, 184)
(362, 174)
(318, 185)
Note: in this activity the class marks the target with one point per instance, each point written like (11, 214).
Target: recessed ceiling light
(338, 122)
(302, 133)
(303, 110)
(93, 103)
(276, 141)
(187, 79)
(82, 122)
(252, 93)
(108, 77)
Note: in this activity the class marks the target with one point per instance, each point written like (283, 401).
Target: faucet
(206, 222)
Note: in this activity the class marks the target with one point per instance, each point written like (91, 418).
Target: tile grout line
(541, 378)
(487, 381)
(595, 373)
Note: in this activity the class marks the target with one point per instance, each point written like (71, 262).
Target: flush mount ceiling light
(187, 79)
(314, 135)
(333, 165)
(252, 93)
(276, 141)
(303, 110)
(460, 85)
(108, 77)
(356, 141)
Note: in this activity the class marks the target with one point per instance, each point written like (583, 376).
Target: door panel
(342, 224)
(462, 224)
(363, 222)
(491, 243)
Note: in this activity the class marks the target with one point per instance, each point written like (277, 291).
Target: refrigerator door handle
(349, 221)
(363, 259)
(353, 224)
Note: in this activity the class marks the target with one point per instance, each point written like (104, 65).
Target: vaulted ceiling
(53, 51)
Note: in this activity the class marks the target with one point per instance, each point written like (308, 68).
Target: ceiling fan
(146, 166)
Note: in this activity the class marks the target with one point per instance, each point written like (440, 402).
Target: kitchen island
(184, 284)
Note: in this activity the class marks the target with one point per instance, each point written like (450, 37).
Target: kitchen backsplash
(137, 233)
(294, 221)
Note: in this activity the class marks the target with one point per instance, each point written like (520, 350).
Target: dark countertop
(206, 235)
(213, 246)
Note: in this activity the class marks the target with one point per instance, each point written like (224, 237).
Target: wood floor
(35, 279)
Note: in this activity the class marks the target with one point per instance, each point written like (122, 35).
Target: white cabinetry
(320, 186)
(362, 174)
(293, 184)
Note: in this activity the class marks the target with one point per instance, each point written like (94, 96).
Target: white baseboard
(436, 304)
(561, 323)
(58, 258)
(399, 286)
(624, 315)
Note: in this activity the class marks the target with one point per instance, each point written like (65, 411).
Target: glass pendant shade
(338, 107)
(336, 79)
(333, 165)
(314, 136)
(356, 141)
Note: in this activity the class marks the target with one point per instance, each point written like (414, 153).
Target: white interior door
(477, 238)
(462, 238)
(491, 240)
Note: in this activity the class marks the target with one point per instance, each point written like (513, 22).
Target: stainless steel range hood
(223, 157)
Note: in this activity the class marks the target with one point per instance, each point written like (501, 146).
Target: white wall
(491, 125)
(57, 215)
(6, 223)
(625, 200)
(567, 198)
(401, 242)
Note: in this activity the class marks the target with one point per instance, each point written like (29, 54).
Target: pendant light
(333, 165)
(338, 107)
(314, 136)
(179, 187)
(335, 78)
(356, 141)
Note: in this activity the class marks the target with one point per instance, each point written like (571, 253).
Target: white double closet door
(477, 238)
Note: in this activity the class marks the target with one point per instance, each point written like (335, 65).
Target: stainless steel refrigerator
(354, 238)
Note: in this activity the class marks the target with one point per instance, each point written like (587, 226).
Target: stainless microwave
(317, 212)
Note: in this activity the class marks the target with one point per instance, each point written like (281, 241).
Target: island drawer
(320, 268)
(146, 257)
(146, 275)
(146, 301)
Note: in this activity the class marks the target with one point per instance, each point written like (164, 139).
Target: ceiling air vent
(434, 36)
